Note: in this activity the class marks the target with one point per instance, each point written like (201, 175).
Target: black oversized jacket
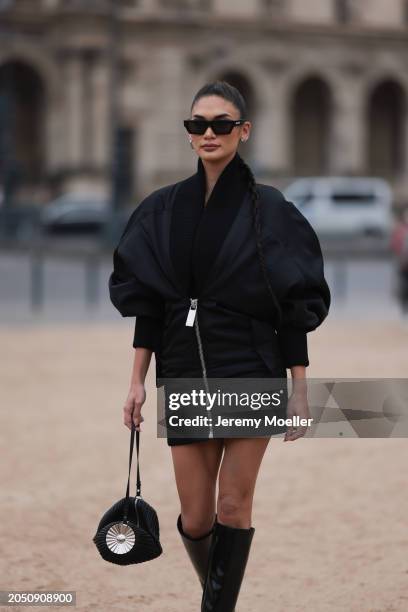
(234, 297)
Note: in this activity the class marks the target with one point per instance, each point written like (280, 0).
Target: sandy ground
(330, 515)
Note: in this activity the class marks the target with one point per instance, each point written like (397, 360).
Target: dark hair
(226, 91)
(232, 94)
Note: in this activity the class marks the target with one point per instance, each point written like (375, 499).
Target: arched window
(342, 10)
(386, 110)
(311, 118)
(186, 4)
(405, 11)
(274, 8)
(22, 133)
(124, 161)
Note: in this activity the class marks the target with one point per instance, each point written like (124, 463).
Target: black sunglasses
(218, 126)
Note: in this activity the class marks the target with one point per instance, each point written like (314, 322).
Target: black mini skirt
(264, 431)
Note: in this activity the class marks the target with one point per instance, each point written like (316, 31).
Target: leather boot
(197, 549)
(228, 557)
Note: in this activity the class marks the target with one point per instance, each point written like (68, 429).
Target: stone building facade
(326, 82)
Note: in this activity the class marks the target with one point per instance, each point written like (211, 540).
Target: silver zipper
(191, 320)
(192, 312)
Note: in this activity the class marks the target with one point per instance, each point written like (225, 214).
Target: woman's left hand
(297, 406)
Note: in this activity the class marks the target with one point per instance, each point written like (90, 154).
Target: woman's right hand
(133, 406)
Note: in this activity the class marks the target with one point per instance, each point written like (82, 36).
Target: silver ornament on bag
(120, 538)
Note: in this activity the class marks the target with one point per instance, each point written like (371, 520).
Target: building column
(162, 137)
(347, 149)
(170, 130)
(99, 116)
(271, 133)
(74, 123)
(54, 134)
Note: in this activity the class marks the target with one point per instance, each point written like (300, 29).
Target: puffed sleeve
(128, 293)
(147, 332)
(306, 302)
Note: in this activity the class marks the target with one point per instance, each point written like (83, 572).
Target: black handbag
(129, 531)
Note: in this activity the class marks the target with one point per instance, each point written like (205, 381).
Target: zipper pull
(192, 312)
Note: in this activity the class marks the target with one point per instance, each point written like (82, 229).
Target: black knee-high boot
(228, 557)
(197, 549)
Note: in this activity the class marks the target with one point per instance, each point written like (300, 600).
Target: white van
(344, 207)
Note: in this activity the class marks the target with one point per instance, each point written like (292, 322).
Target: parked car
(75, 213)
(345, 207)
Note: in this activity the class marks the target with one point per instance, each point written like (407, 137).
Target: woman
(234, 256)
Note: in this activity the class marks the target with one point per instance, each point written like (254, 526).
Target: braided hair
(233, 95)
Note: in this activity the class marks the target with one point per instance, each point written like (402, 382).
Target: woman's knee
(234, 506)
(196, 523)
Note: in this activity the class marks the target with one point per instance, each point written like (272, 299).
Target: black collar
(198, 231)
(229, 188)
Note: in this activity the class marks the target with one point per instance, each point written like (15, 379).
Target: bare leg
(238, 473)
(233, 530)
(196, 468)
